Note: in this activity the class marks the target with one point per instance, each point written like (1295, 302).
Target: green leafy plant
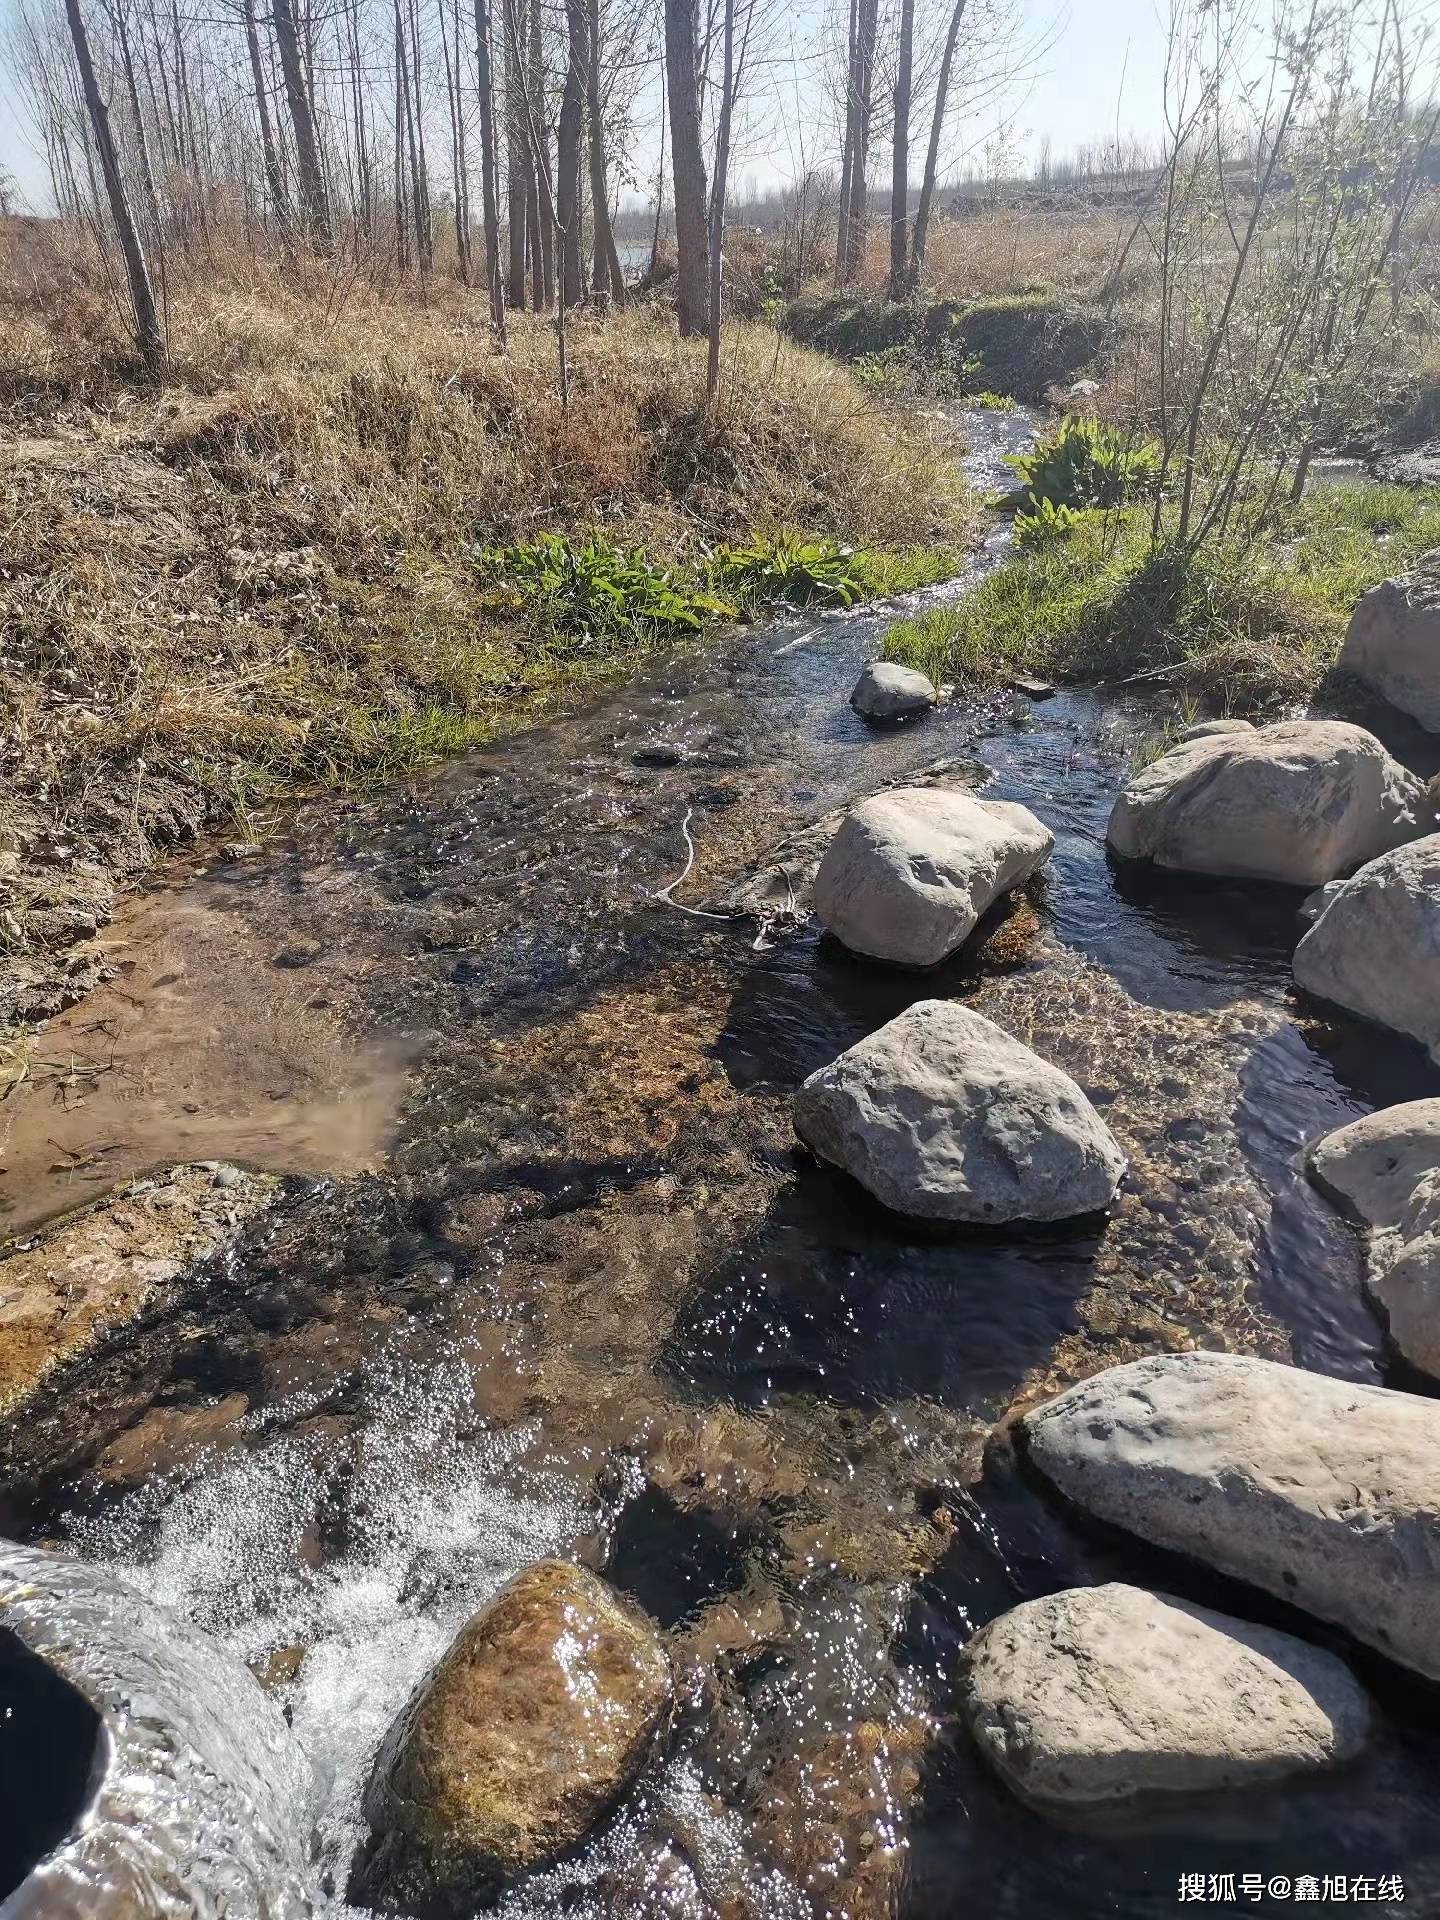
(799, 573)
(591, 589)
(1048, 522)
(1086, 464)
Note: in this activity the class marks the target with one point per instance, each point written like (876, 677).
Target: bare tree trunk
(402, 96)
(540, 153)
(148, 337)
(572, 106)
(457, 141)
(659, 194)
(363, 164)
(847, 162)
(900, 155)
(516, 196)
(424, 223)
(687, 165)
(142, 141)
(608, 277)
(313, 200)
(717, 205)
(921, 232)
(274, 178)
(484, 75)
(866, 13)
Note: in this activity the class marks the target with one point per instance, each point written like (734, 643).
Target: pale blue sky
(1073, 95)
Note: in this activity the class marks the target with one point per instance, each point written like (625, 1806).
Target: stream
(547, 1273)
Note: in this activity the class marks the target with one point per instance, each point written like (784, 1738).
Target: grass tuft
(1255, 626)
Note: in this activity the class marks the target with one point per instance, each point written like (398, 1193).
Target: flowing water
(590, 1298)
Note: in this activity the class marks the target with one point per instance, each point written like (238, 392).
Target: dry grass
(263, 572)
(998, 252)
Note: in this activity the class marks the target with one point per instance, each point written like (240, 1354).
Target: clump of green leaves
(791, 571)
(1048, 522)
(1086, 464)
(590, 590)
(938, 366)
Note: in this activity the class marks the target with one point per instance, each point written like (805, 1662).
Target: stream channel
(548, 1273)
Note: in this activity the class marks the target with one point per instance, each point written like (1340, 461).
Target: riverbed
(549, 1274)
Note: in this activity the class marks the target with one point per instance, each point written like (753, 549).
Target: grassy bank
(287, 564)
(1246, 628)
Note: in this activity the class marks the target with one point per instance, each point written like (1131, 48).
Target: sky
(1073, 96)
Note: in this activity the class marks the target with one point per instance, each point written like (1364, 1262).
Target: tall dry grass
(263, 570)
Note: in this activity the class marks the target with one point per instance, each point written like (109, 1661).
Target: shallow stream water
(590, 1297)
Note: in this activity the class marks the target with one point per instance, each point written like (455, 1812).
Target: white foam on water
(435, 1515)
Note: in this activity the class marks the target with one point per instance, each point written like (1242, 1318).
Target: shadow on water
(49, 1759)
(836, 1297)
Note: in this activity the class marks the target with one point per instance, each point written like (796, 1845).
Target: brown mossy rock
(532, 1725)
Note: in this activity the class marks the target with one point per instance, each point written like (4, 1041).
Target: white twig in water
(664, 893)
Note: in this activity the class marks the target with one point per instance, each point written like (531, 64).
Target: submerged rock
(1320, 1491)
(1105, 1693)
(1375, 946)
(1301, 802)
(532, 1725)
(1393, 641)
(199, 1799)
(886, 691)
(944, 1115)
(1386, 1169)
(909, 873)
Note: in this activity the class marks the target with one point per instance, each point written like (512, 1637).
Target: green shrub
(1085, 464)
(799, 573)
(1047, 522)
(588, 589)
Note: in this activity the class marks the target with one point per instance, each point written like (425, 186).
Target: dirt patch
(218, 1035)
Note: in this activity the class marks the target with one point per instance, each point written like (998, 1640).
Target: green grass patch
(1246, 627)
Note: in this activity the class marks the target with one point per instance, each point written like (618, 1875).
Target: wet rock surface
(1107, 1693)
(1301, 802)
(1375, 947)
(885, 691)
(908, 874)
(1393, 640)
(944, 1115)
(1322, 1493)
(531, 1726)
(1386, 1170)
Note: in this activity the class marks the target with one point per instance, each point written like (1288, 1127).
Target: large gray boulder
(1301, 802)
(885, 691)
(943, 1115)
(1373, 1165)
(1386, 1169)
(1405, 1277)
(1320, 1491)
(909, 872)
(534, 1722)
(1393, 641)
(1375, 946)
(1104, 1693)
